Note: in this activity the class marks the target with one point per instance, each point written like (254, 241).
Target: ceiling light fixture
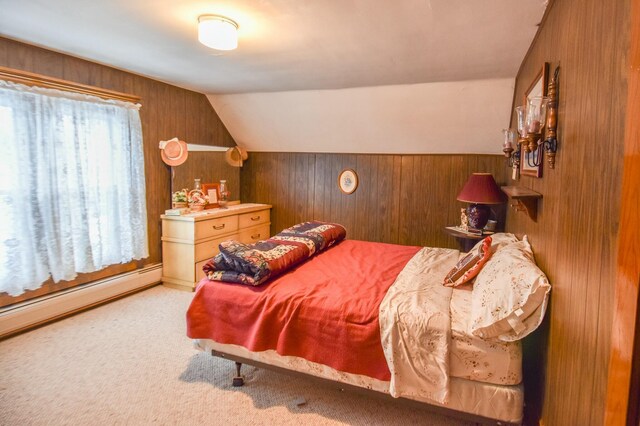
(217, 32)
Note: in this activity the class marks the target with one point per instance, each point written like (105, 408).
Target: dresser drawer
(208, 249)
(213, 227)
(254, 234)
(248, 220)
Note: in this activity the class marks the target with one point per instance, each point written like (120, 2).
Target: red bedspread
(325, 311)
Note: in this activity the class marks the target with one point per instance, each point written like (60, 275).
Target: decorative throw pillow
(470, 265)
(510, 294)
(498, 240)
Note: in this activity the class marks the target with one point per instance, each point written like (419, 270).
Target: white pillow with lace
(510, 294)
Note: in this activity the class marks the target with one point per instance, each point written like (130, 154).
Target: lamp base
(478, 215)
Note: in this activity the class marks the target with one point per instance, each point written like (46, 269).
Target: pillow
(509, 296)
(469, 266)
(498, 240)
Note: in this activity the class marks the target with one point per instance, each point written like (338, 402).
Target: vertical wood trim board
(623, 388)
(402, 199)
(167, 111)
(574, 238)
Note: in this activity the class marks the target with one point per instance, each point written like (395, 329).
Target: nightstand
(465, 240)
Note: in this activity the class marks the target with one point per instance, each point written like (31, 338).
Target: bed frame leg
(238, 380)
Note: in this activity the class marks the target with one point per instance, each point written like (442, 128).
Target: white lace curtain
(72, 190)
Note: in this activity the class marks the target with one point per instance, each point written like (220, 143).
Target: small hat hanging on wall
(348, 181)
(235, 156)
(173, 152)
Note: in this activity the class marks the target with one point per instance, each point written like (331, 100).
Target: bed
(373, 316)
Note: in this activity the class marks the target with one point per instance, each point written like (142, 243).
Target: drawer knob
(255, 218)
(218, 227)
(255, 236)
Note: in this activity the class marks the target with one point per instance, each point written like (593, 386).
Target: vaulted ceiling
(295, 45)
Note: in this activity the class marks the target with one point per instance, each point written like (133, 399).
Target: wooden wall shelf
(526, 200)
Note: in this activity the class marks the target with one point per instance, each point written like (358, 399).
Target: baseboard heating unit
(34, 312)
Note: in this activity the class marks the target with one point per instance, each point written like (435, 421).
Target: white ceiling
(443, 117)
(288, 44)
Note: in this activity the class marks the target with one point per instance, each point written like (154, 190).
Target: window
(72, 191)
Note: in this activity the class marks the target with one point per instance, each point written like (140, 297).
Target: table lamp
(480, 190)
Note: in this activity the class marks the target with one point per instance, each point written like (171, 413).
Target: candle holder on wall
(536, 113)
(510, 140)
(537, 127)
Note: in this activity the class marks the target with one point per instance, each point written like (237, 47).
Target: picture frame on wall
(348, 181)
(538, 87)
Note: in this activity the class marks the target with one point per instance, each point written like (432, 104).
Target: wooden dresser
(189, 241)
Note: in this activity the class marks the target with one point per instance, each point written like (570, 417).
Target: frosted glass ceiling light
(217, 32)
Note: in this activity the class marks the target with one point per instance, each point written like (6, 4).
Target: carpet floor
(129, 362)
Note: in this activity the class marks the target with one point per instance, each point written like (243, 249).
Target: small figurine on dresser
(196, 197)
(224, 194)
(179, 199)
(464, 220)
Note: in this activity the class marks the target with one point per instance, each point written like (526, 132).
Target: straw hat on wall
(173, 152)
(235, 156)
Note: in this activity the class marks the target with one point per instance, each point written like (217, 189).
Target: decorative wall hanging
(537, 122)
(173, 152)
(348, 181)
(235, 156)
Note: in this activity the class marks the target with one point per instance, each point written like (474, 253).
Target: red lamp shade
(481, 188)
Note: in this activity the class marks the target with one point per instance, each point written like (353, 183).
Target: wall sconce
(535, 117)
(510, 140)
(535, 120)
(217, 32)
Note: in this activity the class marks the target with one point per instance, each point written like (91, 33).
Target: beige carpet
(130, 363)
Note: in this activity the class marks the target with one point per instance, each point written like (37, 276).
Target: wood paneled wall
(209, 167)
(623, 390)
(403, 199)
(574, 238)
(167, 111)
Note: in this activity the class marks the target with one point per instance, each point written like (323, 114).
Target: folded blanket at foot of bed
(253, 264)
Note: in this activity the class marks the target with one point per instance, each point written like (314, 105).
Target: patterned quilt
(253, 264)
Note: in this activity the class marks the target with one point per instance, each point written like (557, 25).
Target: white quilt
(415, 326)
